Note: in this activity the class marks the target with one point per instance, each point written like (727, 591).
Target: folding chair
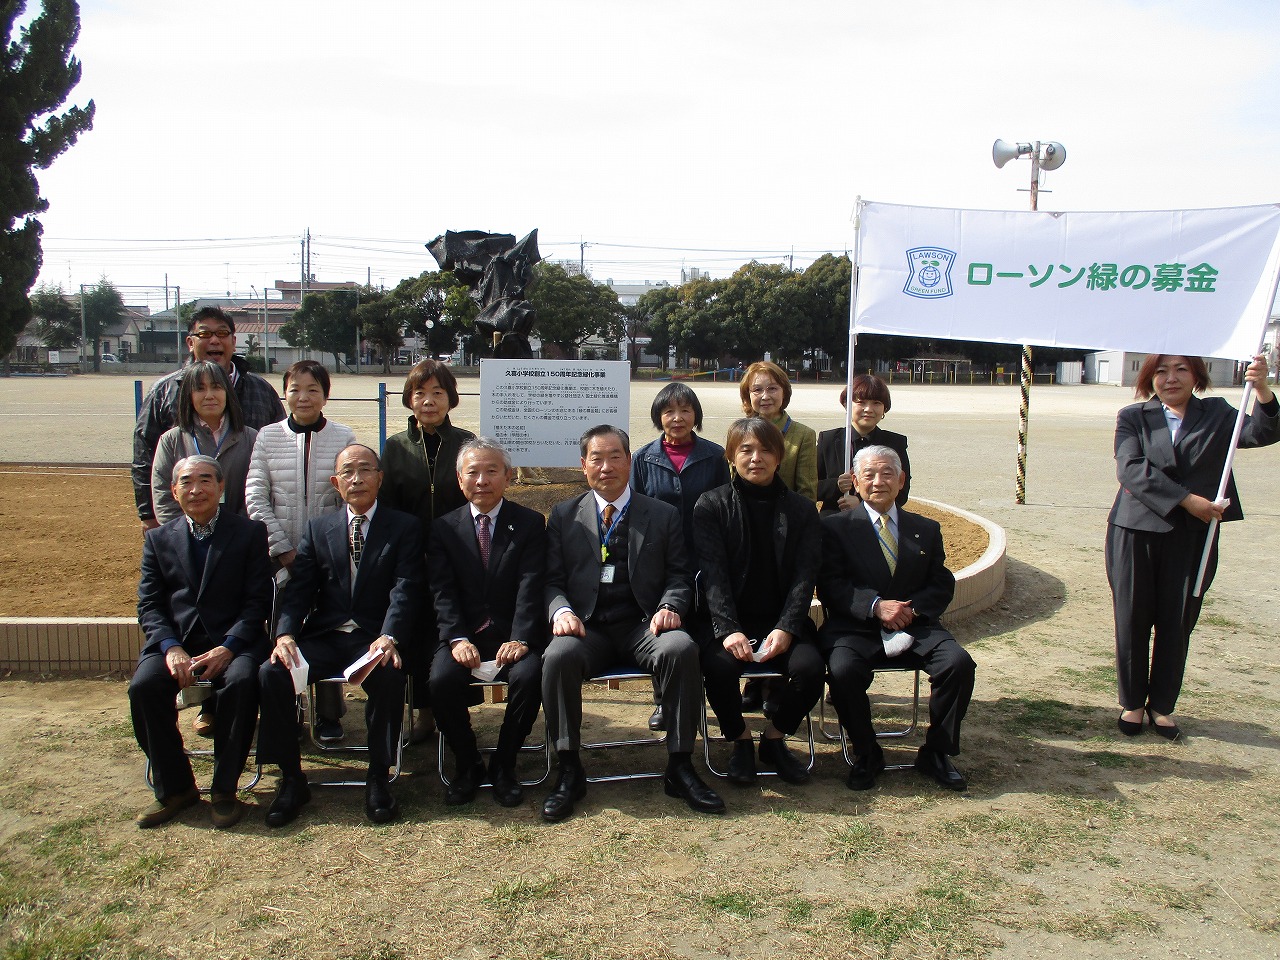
(499, 688)
(896, 733)
(753, 672)
(208, 752)
(405, 731)
(613, 680)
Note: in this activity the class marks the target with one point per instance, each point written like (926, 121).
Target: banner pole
(853, 336)
(1198, 589)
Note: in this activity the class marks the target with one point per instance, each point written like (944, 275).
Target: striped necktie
(888, 543)
(357, 538)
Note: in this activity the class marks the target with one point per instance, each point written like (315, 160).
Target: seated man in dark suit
(884, 585)
(353, 589)
(485, 563)
(203, 603)
(618, 586)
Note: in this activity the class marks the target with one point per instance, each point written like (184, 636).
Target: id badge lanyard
(607, 535)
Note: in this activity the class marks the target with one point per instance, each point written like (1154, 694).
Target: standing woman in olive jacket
(1170, 451)
(759, 547)
(419, 476)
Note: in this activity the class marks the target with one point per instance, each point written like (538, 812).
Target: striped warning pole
(1024, 411)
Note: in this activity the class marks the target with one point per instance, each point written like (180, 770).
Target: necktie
(484, 537)
(357, 538)
(609, 511)
(888, 544)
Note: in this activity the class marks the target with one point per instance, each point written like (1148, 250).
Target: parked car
(109, 358)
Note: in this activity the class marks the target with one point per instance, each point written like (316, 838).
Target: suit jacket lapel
(867, 543)
(216, 544)
(637, 523)
(589, 524)
(179, 541)
(1160, 441)
(499, 541)
(909, 550)
(336, 540)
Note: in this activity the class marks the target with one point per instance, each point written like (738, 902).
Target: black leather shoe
(289, 800)
(379, 805)
(571, 787)
(1169, 731)
(742, 765)
(1130, 728)
(776, 754)
(683, 781)
(862, 775)
(656, 720)
(939, 766)
(466, 781)
(752, 695)
(507, 790)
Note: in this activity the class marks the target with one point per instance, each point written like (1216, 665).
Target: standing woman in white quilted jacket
(292, 462)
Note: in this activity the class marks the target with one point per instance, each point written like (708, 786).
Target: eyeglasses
(349, 474)
(209, 334)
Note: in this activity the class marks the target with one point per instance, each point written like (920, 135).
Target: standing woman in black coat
(871, 402)
(1170, 451)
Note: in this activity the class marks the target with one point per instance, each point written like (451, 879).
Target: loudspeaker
(1002, 152)
(1055, 155)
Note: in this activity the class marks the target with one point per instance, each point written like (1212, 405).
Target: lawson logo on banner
(930, 272)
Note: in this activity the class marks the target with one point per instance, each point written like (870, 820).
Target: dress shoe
(424, 726)
(656, 720)
(752, 696)
(1130, 728)
(466, 781)
(204, 722)
(742, 765)
(571, 787)
(162, 811)
(292, 794)
(939, 766)
(681, 780)
(1170, 731)
(225, 810)
(379, 805)
(328, 731)
(775, 753)
(507, 790)
(862, 775)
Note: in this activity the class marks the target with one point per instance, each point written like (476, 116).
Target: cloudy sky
(660, 134)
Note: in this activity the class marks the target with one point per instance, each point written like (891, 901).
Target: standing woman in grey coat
(1170, 452)
(209, 422)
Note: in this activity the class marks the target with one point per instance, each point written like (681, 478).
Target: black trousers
(328, 654)
(801, 665)
(951, 674)
(452, 694)
(155, 723)
(1152, 576)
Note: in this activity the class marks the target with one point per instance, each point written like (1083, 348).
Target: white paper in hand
(896, 642)
(487, 670)
(300, 674)
(358, 671)
(760, 654)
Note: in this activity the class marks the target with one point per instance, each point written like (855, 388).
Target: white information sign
(539, 409)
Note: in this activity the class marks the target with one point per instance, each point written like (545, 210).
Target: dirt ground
(1070, 840)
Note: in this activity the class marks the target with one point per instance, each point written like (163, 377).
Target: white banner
(539, 409)
(1195, 282)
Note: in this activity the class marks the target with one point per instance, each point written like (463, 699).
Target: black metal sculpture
(497, 269)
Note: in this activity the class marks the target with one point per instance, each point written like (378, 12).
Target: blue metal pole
(382, 418)
(137, 399)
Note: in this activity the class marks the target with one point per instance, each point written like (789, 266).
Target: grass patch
(797, 910)
(1102, 926)
(790, 816)
(857, 840)
(1016, 714)
(1096, 679)
(144, 870)
(733, 902)
(515, 893)
(1111, 760)
(1163, 895)
(939, 914)
(1217, 620)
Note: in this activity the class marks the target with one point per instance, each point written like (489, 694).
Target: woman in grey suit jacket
(1170, 451)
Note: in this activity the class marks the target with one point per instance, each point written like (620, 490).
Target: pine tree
(37, 72)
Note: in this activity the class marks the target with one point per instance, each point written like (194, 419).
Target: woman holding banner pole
(1170, 453)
